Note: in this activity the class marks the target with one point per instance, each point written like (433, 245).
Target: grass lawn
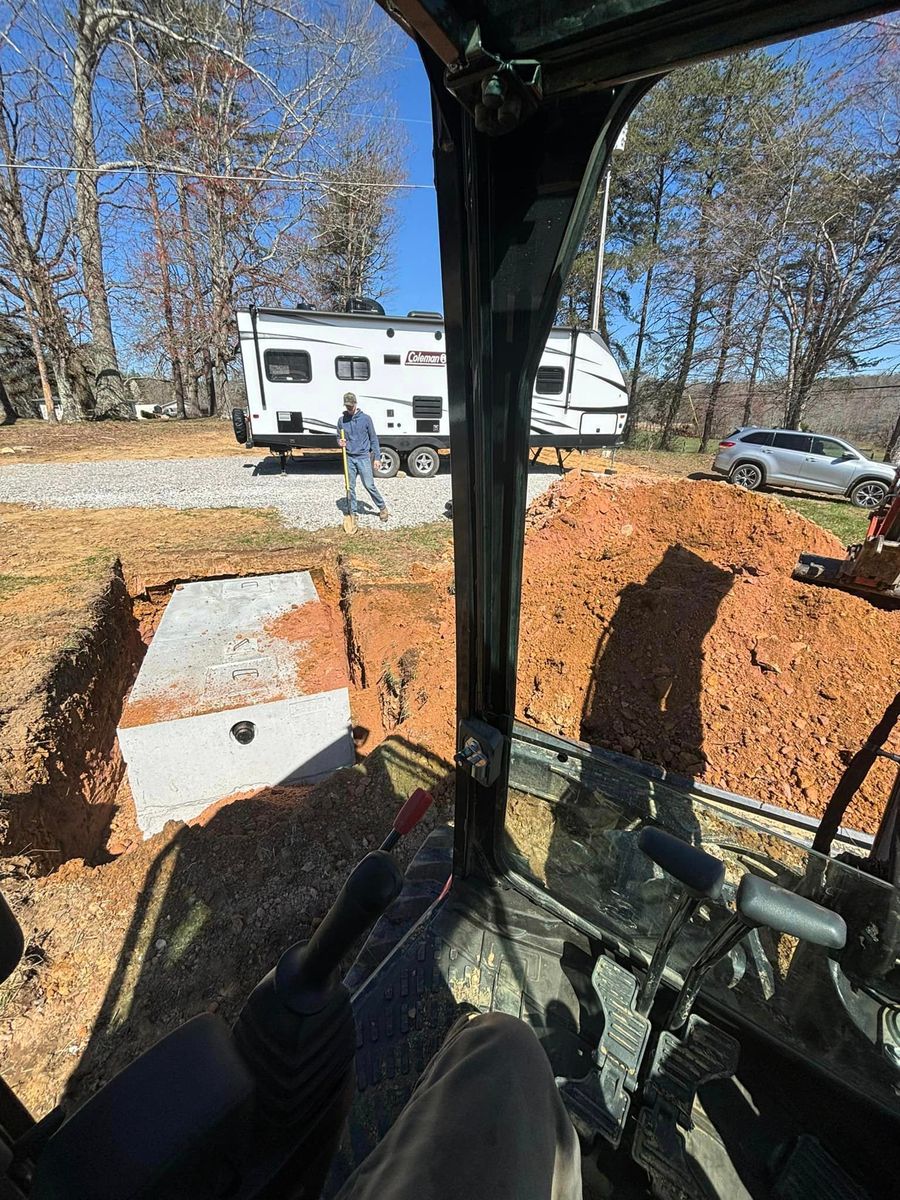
(838, 516)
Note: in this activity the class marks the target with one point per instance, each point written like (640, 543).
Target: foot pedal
(681, 1065)
(811, 1171)
(599, 1103)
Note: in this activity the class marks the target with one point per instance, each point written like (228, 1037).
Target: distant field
(100, 441)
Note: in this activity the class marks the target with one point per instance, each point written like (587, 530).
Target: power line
(184, 172)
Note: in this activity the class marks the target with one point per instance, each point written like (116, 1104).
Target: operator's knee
(508, 1036)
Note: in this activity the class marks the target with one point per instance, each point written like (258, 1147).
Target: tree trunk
(39, 356)
(892, 450)
(747, 416)
(724, 347)
(108, 386)
(690, 338)
(196, 300)
(791, 406)
(162, 259)
(68, 396)
(10, 416)
(633, 411)
(221, 314)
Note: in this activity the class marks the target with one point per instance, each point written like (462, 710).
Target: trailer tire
(390, 463)
(423, 462)
(239, 424)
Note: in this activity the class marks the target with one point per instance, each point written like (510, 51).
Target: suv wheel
(747, 475)
(869, 494)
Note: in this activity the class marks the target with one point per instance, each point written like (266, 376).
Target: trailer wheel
(239, 423)
(390, 463)
(423, 462)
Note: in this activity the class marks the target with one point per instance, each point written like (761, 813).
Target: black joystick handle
(702, 876)
(701, 873)
(760, 904)
(308, 973)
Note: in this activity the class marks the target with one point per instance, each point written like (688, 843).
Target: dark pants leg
(484, 1123)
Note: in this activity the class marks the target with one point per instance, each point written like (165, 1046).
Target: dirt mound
(660, 620)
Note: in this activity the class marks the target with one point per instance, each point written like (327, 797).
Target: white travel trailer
(299, 363)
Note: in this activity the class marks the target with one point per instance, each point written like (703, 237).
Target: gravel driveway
(310, 496)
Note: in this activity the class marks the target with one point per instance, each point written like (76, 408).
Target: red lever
(408, 817)
(413, 811)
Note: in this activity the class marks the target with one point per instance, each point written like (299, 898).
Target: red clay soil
(661, 620)
(311, 633)
(400, 639)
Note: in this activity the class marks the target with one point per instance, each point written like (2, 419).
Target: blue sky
(416, 280)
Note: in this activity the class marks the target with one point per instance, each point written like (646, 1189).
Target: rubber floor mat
(484, 948)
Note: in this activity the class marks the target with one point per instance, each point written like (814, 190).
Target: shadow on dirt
(575, 833)
(647, 679)
(222, 900)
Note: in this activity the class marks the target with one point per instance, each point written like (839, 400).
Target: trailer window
(288, 366)
(351, 368)
(550, 381)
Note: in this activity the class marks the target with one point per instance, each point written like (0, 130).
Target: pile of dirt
(660, 620)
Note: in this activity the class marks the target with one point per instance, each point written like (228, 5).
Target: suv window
(758, 439)
(828, 448)
(793, 441)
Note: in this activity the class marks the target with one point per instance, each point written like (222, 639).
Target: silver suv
(786, 458)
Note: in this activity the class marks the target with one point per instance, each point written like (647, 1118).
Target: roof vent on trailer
(362, 304)
(304, 306)
(421, 315)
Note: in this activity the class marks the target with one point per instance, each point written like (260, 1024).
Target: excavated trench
(66, 792)
(659, 620)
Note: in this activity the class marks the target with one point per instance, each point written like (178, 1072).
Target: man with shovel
(361, 452)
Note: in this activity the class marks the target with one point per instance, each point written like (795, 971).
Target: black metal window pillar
(512, 208)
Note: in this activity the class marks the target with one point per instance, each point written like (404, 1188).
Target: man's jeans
(362, 466)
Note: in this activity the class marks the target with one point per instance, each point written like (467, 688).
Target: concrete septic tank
(244, 686)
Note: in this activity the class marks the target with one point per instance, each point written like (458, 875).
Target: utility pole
(601, 244)
(601, 247)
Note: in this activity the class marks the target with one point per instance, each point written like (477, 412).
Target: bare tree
(33, 260)
(352, 220)
(93, 25)
(838, 285)
(223, 149)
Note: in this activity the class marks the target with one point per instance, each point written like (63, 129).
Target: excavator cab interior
(716, 985)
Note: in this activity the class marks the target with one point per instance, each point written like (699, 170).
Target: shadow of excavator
(222, 900)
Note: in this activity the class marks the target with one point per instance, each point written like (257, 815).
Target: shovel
(349, 522)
